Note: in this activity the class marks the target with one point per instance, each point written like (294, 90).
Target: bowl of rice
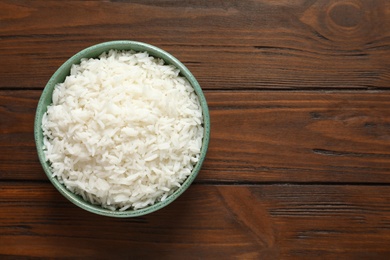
(122, 129)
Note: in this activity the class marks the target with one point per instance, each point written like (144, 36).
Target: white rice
(123, 131)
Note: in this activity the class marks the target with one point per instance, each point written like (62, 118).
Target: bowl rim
(93, 52)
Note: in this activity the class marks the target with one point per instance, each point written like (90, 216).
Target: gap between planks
(306, 89)
(233, 183)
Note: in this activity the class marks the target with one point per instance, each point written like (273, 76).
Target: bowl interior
(60, 75)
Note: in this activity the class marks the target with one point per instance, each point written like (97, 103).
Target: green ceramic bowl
(59, 76)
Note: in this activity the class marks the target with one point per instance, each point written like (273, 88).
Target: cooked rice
(124, 130)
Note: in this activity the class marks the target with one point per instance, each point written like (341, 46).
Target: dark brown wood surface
(298, 165)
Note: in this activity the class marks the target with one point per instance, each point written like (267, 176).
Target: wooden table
(299, 159)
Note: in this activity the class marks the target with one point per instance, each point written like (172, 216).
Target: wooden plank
(245, 222)
(299, 137)
(255, 137)
(231, 45)
(18, 156)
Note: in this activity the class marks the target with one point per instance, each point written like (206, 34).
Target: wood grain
(299, 159)
(245, 222)
(299, 136)
(227, 45)
(255, 137)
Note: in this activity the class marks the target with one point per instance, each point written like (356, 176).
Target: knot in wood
(346, 14)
